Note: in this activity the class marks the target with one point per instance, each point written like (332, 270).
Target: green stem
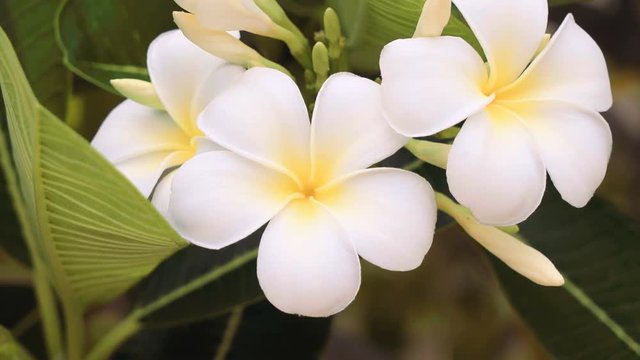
(48, 310)
(230, 332)
(132, 323)
(74, 322)
(117, 336)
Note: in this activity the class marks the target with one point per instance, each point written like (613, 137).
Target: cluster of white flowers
(222, 150)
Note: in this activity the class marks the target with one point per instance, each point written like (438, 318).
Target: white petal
(264, 118)
(509, 31)
(494, 168)
(204, 144)
(570, 68)
(306, 263)
(234, 15)
(218, 198)
(513, 252)
(224, 44)
(390, 215)
(348, 130)
(435, 16)
(145, 170)
(575, 145)
(162, 194)
(431, 84)
(177, 69)
(141, 142)
(218, 81)
(189, 5)
(132, 130)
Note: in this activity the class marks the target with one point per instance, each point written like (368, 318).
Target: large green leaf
(596, 314)
(98, 235)
(103, 40)
(208, 282)
(257, 331)
(193, 285)
(29, 25)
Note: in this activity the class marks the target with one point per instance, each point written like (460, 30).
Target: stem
(230, 333)
(118, 335)
(131, 324)
(48, 310)
(75, 329)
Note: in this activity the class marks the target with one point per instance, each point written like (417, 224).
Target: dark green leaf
(596, 315)
(257, 331)
(216, 291)
(104, 40)
(29, 24)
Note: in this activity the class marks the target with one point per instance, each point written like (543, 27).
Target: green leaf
(197, 283)
(96, 232)
(596, 314)
(257, 331)
(11, 238)
(104, 40)
(29, 25)
(371, 24)
(10, 349)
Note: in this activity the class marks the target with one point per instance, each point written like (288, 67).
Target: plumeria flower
(531, 109)
(231, 15)
(148, 137)
(311, 182)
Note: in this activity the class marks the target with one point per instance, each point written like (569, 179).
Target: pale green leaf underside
(97, 233)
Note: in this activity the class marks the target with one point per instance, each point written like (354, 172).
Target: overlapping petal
(162, 194)
(306, 263)
(218, 198)
(494, 168)
(431, 84)
(509, 32)
(390, 215)
(264, 118)
(231, 15)
(141, 142)
(132, 130)
(574, 143)
(177, 69)
(145, 170)
(571, 68)
(348, 130)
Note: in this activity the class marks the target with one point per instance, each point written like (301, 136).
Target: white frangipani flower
(231, 15)
(311, 181)
(528, 111)
(143, 141)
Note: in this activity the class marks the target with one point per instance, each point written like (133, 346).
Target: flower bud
(519, 256)
(435, 16)
(139, 91)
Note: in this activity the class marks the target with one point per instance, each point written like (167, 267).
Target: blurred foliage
(104, 40)
(30, 26)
